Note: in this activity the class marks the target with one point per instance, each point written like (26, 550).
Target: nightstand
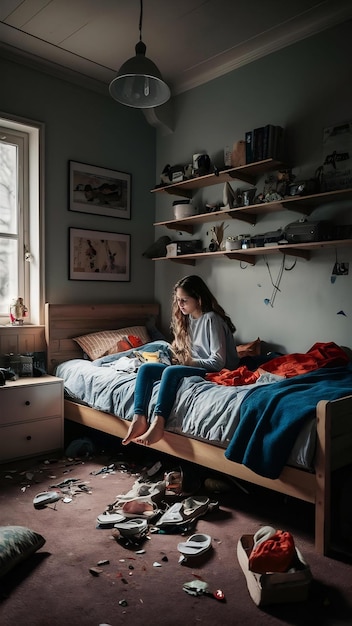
(31, 417)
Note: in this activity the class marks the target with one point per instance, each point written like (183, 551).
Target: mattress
(202, 409)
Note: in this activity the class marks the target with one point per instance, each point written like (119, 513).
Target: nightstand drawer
(34, 401)
(30, 439)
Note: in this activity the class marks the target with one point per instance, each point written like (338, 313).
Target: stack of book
(265, 142)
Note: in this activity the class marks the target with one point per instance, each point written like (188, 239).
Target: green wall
(89, 127)
(304, 88)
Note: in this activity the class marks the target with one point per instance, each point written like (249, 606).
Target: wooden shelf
(249, 255)
(245, 173)
(250, 214)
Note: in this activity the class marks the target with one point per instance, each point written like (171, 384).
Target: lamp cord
(140, 21)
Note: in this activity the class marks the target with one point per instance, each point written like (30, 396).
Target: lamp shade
(139, 83)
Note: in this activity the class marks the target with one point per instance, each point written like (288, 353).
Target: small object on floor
(154, 469)
(109, 519)
(153, 491)
(132, 527)
(95, 571)
(195, 545)
(201, 588)
(44, 498)
(66, 482)
(107, 469)
(189, 509)
(103, 562)
(174, 482)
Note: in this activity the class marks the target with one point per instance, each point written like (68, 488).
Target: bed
(332, 422)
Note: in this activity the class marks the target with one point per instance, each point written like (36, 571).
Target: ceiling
(191, 41)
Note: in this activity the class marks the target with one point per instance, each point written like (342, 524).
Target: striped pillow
(96, 345)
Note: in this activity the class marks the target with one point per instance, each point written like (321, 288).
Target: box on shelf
(276, 587)
(189, 247)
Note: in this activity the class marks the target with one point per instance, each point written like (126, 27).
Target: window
(21, 222)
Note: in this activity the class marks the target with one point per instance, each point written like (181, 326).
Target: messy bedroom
(175, 312)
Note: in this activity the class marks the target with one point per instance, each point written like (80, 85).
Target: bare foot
(154, 433)
(138, 426)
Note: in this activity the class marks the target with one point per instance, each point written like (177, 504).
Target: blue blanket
(272, 416)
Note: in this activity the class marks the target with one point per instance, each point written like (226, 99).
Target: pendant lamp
(139, 83)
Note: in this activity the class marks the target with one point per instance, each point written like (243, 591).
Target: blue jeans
(170, 377)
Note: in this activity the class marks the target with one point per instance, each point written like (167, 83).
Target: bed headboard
(64, 321)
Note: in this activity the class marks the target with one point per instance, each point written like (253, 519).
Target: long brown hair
(195, 287)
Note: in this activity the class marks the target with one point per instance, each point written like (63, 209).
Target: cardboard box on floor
(274, 588)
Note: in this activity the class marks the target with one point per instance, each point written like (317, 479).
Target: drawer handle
(29, 437)
(27, 402)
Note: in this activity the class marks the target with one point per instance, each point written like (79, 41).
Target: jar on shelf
(233, 243)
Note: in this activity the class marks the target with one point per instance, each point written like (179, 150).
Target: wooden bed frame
(334, 423)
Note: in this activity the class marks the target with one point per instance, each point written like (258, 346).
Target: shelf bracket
(177, 191)
(245, 258)
(245, 178)
(303, 254)
(293, 206)
(244, 217)
(183, 227)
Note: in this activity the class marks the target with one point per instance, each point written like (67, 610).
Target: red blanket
(288, 365)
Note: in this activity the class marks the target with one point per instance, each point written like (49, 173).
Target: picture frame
(99, 255)
(99, 190)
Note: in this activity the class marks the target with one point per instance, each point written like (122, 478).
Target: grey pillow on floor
(17, 543)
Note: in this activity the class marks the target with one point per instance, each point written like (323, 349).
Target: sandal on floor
(195, 545)
(45, 497)
(152, 491)
(185, 511)
(174, 482)
(109, 519)
(131, 527)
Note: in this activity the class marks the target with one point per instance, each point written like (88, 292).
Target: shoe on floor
(195, 545)
(109, 519)
(188, 510)
(45, 497)
(153, 491)
(132, 527)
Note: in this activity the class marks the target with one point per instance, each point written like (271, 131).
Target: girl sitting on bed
(203, 342)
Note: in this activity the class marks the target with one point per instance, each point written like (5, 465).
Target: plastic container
(183, 209)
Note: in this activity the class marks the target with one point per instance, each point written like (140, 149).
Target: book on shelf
(258, 138)
(249, 146)
(264, 142)
(269, 141)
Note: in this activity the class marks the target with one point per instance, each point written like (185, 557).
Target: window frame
(31, 216)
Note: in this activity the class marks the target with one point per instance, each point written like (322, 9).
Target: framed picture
(98, 255)
(99, 191)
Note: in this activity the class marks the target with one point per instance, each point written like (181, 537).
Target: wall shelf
(250, 214)
(249, 255)
(249, 174)
(245, 173)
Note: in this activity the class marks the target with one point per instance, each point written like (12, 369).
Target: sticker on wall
(341, 313)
